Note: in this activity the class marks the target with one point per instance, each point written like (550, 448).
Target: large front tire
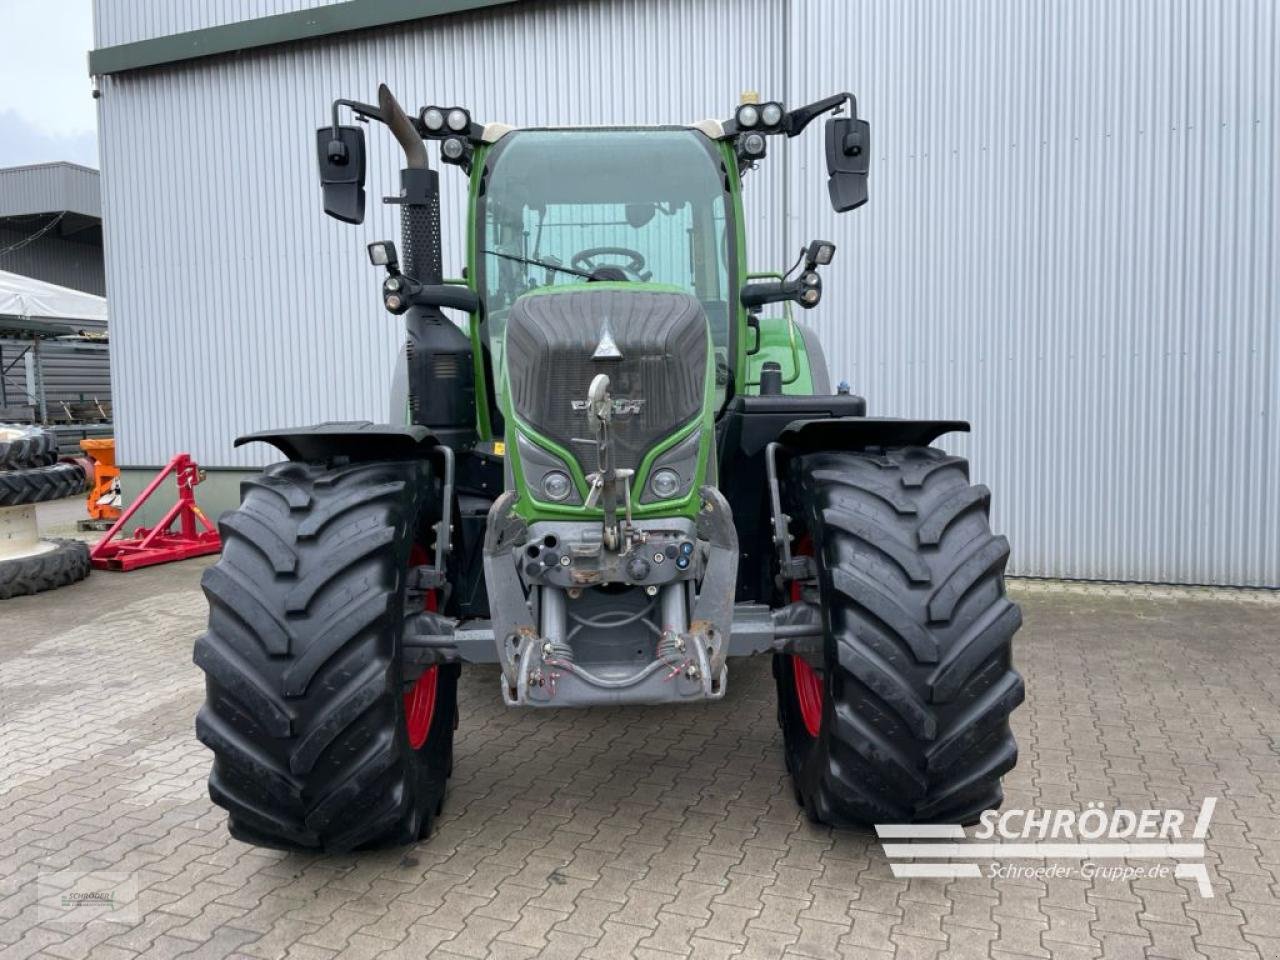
(901, 713)
(305, 707)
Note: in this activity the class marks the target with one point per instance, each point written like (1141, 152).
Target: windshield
(559, 205)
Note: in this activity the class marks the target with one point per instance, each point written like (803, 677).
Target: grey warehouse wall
(1071, 241)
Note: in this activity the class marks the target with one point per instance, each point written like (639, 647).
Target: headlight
(771, 114)
(457, 120)
(433, 118)
(748, 115)
(556, 485)
(665, 483)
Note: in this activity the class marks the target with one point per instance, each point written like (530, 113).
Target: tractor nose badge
(607, 348)
(604, 482)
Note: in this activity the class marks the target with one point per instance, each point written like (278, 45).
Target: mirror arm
(801, 117)
(363, 111)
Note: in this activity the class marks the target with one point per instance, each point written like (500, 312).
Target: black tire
(23, 445)
(40, 484)
(915, 664)
(66, 563)
(304, 708)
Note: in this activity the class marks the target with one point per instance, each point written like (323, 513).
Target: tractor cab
(645, 207)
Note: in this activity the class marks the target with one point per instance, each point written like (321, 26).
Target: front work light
(433, 119)
(382, 253)
(453, 148)
(819, 254)
(753, 145)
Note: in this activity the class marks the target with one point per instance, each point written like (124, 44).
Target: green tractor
(622, 473)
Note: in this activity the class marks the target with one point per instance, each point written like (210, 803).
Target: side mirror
(341, 160)
(848, 159)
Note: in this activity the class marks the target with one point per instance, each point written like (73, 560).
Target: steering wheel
(584, 260)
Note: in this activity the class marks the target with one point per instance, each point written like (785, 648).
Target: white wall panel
(1073, 237)
(1071, 242)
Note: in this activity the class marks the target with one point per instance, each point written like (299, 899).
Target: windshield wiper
(540, 263)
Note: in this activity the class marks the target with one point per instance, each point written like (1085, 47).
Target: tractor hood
(653, 344)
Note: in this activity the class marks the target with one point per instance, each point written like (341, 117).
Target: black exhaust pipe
(442, 387)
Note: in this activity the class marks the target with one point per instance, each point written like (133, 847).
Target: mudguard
(858, 433)
(351, 440)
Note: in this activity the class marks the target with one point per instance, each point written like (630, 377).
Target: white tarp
(24, 297)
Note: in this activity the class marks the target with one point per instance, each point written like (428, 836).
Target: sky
(46, 110)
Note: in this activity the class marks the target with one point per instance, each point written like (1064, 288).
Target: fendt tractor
(626, 469)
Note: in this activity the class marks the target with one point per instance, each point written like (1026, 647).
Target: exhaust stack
(442, 392)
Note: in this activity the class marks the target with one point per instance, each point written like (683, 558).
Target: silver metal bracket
(789, 567)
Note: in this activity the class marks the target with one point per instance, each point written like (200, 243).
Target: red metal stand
(195, 537)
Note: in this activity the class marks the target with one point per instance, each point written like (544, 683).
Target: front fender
(858, 433)
(352, 440)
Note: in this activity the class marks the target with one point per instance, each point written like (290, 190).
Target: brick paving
(643, 832)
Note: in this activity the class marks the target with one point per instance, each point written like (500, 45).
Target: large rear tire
(306, 706)
(901, 713)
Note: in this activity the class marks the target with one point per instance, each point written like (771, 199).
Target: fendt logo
(621, 406)
(1086, 840)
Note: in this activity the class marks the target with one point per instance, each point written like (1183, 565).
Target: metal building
(51, 231)
(1073, 237)
(51, 225)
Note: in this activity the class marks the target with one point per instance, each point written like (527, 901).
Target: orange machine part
(105, 473)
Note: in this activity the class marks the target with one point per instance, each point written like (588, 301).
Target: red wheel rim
(808, 694)
(420, 707)
(420, 702)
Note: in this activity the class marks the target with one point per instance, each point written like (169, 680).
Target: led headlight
(433, 118)
(753, 145)
(453, 148)
(665, 483)
(748, 115)
(556, 485)
(457, 120)
(771, 114)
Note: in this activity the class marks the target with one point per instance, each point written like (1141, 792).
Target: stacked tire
(30, 473)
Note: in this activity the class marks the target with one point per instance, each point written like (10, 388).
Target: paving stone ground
(644, 832)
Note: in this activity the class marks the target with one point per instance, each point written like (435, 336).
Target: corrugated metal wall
(1072, 239)
(1072, 242)
(69, 263)
(127, 21)
(74, 373)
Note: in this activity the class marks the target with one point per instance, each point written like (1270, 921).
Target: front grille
(663, 341)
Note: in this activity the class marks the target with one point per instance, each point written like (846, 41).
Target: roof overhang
(52, 188)
(271, 31)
